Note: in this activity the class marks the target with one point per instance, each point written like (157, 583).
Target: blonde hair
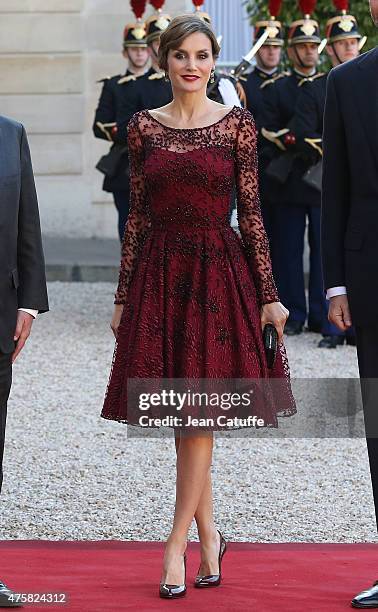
(180, 28)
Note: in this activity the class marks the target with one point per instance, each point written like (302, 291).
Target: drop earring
(212, 76)
(166, 77)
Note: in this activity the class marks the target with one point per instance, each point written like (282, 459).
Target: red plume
(275, 7)
(198, 3)
(307, 6)
(138, 7)
(157, 4)
(341, 5)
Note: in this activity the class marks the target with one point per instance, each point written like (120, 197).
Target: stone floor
(71, 475)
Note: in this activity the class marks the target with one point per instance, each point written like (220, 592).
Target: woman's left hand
(277, 314)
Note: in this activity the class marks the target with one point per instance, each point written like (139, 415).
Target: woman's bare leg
(194, 455)
(207, 531)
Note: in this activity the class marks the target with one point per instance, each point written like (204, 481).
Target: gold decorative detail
(241, 94)
(275, 78)
(273, 31)
(310, 79)
(104, 128)
(346, 25)
(139, 33)
(316, 144)
(156, 75)
(275, 137)
(126, 79)
(308, 28)
(162, 23)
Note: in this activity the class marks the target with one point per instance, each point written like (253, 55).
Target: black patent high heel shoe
(172, 591)
(213, 579)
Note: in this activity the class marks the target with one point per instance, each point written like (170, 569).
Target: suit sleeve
(32, 291)
(335, 190)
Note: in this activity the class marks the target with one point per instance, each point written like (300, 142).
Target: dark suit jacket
(22, 269)
(350, 184)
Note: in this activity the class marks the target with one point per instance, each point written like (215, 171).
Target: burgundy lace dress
(192, 289)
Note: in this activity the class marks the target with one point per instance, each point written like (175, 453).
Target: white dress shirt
(31, 311)
(334, 291)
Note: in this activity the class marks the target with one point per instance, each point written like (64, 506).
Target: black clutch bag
(270, 339)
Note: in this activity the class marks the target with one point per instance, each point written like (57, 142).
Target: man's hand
(277, 314)
(339, 313)
(116, 319)
(22, 332)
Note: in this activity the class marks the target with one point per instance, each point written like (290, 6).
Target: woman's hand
(277, 314)
(117, 314)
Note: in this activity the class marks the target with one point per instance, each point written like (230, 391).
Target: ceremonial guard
(298, 200)
(152, 90)
(268, 59)
(344, 41)
(343, 44)
(115, 164)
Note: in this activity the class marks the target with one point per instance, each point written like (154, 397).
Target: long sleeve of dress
(250, 221)
(138, 222)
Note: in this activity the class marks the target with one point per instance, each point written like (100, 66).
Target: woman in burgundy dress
(193, 297)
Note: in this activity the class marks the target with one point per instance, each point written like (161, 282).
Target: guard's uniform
(309, 133)
(253, 85)
(105, 118)
(114, 91)
(150, 90)
(147, 92)
(297, 201)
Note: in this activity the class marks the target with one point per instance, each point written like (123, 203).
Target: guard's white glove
(228, 93)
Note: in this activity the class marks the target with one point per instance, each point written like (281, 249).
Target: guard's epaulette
(127, 79)
(276, 77)
(156, 75)
(104, 79)
(311, 79)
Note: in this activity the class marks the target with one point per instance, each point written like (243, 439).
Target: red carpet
(108, 575)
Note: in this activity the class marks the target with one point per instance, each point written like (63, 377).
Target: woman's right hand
(277, 314)
(117, 314)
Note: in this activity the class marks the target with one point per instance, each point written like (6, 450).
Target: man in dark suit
(23, 290)
(349, 231)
